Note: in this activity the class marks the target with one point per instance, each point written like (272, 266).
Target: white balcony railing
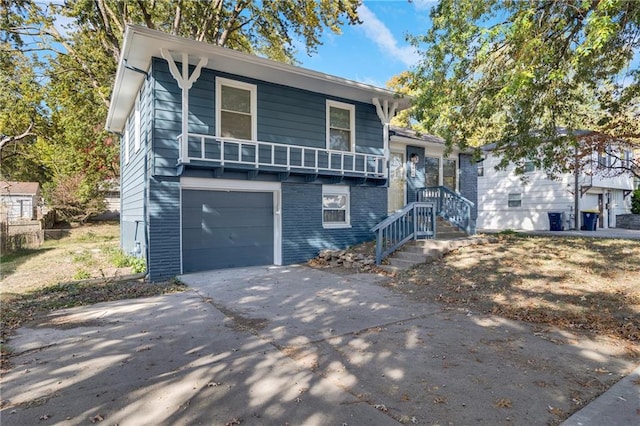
(276, 157)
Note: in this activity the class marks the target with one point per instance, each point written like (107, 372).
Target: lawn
(79, 266)
(582, 284)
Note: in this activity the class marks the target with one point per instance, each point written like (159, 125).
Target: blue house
(231, 160)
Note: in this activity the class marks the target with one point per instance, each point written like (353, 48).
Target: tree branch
(6, 140)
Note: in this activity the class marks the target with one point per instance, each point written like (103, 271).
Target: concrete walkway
(299, 346)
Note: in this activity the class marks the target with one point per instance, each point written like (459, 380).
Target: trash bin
(555, 221)
(589, 221)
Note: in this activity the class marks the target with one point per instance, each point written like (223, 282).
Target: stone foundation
(628, 221)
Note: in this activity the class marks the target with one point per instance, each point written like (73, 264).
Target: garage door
(222, 229)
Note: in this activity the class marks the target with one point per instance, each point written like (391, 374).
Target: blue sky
(376, 50)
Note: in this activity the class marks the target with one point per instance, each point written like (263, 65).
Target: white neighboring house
(506, 201)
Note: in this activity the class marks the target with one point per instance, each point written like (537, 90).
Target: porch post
(385, 114)
(184, 82)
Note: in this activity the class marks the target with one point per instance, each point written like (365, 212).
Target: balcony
(216, 152)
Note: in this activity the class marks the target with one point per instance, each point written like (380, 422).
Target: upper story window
(137, 125)
(336, 206)
(126, 140)
(236, 106)
(529, 166)
(480, 169)
(341, 126)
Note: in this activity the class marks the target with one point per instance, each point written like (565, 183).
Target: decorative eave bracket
(185, 81)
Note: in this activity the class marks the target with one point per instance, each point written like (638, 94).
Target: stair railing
(450, 205)
(415, 221)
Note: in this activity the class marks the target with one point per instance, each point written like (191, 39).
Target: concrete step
(421, 251)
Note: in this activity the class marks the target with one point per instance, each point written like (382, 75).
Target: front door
(414, 171)
(397, 181)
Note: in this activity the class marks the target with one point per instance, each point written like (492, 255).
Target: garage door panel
(223, 229)
(198, 260)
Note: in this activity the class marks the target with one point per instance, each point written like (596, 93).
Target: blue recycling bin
(555, 221)
(589, 221)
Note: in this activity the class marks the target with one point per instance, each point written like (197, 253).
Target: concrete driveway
(299, 346)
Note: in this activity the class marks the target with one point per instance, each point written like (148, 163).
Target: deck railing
(415, 221)
(451, 206)
(280, 157)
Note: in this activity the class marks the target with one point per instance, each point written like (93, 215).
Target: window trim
(352, 122)
(126, 140)
(517, 199)
(337, 190)
(252, 89)
(136, 128)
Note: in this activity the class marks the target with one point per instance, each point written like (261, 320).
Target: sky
(376, 50)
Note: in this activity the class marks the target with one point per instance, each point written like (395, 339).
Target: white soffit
(141, 44)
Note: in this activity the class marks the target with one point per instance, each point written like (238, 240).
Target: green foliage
(81, 274)
(52, 114)
(513, 72)
(635, 202)
(120, 259)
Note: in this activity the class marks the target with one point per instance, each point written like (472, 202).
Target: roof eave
(141, 44)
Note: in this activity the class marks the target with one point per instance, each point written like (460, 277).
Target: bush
(635, 202)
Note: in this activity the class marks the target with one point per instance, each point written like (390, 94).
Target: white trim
(206, 184)
(126, 141)
(137, 124)
(337, 190)
(253, 90)
(352, 122)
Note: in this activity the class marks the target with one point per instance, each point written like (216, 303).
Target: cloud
(424, 5)
(377, 31)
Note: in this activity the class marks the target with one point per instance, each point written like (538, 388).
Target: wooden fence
(20, 235)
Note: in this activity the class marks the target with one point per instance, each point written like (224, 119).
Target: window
(529, 166)
(449, 174)
(480, 169)
(603, 159)
(341, 124)
(335, 206)
(125, 142)
(515, 200)
(236, 104)
(137, 125)
(431, 171)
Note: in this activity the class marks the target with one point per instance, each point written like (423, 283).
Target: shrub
(120, 259)
(635, 202)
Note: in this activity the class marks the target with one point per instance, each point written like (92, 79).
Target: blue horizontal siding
(303, 236)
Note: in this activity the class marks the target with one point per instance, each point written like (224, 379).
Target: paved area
(300, 346)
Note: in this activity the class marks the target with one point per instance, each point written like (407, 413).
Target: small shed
(20, 200)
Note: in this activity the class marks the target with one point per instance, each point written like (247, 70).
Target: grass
(580, 284)
(37, 281)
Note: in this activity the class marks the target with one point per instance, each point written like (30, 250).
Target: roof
(141, 44)
(19, 188)
(412, 134)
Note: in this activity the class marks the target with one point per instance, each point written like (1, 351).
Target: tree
(73, 83)
(515, 72)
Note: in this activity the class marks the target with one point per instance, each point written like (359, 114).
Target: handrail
(223, 151)
(450, 205)
(416, 220)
